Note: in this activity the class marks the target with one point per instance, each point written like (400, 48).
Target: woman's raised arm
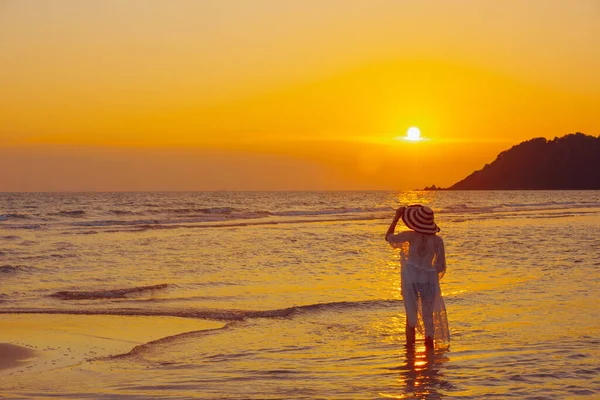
(397, 217)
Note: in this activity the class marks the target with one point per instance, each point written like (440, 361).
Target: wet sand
(39, 342)
(13, 356)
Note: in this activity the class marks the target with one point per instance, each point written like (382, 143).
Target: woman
(422, 265)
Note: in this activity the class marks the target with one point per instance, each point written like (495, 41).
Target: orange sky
(285, 95)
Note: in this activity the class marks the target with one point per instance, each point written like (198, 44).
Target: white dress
(422, 265)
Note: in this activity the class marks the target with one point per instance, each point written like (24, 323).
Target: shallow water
(308, 292)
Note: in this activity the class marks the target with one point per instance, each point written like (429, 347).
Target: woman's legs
(427, 309)
(426, 294)
(410, 334)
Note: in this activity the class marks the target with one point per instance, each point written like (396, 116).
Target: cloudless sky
(282, 94)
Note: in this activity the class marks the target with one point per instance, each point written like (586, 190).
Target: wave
(230, 317)
(11, 269)
(143, 347)
(109, 222)
(21, 226)
(121, 212)
(6, 217)
(105, 294)
(234, 316)
(231, 215)
(341, 210)
(70, 213)
(517, 207)
(209, 210)
(11, 237)
(187, 216)
(195, 215)
(141, 228)
(319, 307)
(218, 314)
(177, 211)
(213, 219)
(464, 208)
(548, 203)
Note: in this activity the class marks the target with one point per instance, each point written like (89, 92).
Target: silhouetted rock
(433, 187)
(570, 162)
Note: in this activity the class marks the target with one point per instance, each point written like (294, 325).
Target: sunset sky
(285, 95)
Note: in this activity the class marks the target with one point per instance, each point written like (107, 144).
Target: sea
(305, 293)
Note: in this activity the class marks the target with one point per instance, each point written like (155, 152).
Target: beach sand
(13, 356)
(40, 342)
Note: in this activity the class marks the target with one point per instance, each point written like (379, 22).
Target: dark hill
(569, 162)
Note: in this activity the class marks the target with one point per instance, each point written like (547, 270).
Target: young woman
(422, 265)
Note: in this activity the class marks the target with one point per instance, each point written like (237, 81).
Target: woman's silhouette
(422, 265)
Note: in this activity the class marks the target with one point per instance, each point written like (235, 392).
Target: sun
(412, 135)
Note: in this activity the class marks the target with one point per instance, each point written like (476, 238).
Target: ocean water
(306, 292)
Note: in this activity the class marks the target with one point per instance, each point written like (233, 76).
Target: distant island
(433, 187)
(571, 162)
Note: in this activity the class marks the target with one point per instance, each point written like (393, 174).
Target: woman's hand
(397, 217)
(399, 212)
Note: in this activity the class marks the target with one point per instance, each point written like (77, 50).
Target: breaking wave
(232, 317)
(209, 210)
(143, 347)
(105, 294)
(20, 226)
(6, 217)
(121, 212)
(11, 237)
(343, 210)
(70, 213)
(11, 269)
(215, 314)
(149, 216)
(517, 207)
(115, 222)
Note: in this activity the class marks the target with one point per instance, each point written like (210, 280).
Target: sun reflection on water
(416, 197)
(420, 376)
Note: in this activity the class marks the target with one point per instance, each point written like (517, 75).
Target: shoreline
(41, 342)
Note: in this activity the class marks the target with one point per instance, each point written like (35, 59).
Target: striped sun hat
(420, 219)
